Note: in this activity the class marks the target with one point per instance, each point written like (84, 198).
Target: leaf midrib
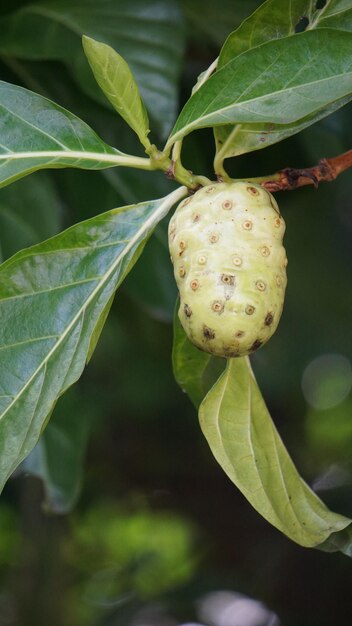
(259, 98)
(168, 201)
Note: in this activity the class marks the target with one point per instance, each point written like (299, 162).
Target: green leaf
(195, 371)
(272, 21)
(115, 78)
(335, 14)
(29, 213)
(243, 439)
(52, 297)
(58, 457)
(149, 34)
(279, 82)
(235, 140)
(37, 133)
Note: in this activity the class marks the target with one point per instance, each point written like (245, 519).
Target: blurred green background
(121, 516)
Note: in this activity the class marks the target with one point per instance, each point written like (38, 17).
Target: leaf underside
(243, 439)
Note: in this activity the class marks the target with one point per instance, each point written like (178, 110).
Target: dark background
(156, 527)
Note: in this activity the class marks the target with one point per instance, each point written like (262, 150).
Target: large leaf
(195, 371)
(147, 33)
(272, 20)
(243, 439)
(242, 138)
(279, 82)
(36, 133)
(53, 298)
(115, 78)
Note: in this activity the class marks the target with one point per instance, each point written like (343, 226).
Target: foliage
(274, 78)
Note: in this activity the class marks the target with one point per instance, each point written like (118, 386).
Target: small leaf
(195, 371)
(243, 439)
(115, 78)
(279, 82)
(53, 298)
(37, 133)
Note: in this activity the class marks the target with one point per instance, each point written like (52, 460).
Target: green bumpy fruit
(230, 267)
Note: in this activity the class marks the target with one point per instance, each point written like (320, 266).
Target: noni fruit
(230, 267)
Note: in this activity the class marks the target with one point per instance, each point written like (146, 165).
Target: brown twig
(290, 178)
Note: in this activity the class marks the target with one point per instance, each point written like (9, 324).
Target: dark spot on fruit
(187, 310)
(214, 237)
(253, 191)
(260, 285)
(269, 319)
(208, 333)
(228, 279)
(239, 333)
(217, 306)
(231, 352)
(256, 344)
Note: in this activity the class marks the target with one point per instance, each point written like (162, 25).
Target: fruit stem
(173, 167)
(222, 153)
(290, 178)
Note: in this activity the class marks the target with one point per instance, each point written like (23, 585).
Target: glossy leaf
(235, 140)
(335, 14)
(36, 133)
(147, 33)
(281, 82)
(52, 298)
(244, 440)
(195, 371)
(115, 78)
(272, 21)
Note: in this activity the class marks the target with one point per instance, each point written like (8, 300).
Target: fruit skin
(225, 243)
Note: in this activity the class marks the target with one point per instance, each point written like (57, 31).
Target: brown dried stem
(291, 178)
